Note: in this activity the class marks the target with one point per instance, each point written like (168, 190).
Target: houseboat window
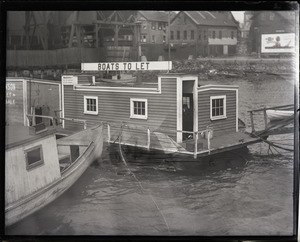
(34, 157)
(172, 34)
(138, 108)
(232, 34)
(217, 107)
(220, 34)
(178, 35)
(214, 34)
(184, 34)
(90, 105)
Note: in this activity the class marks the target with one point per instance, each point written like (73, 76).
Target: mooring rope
(273, 144)
(140, 184)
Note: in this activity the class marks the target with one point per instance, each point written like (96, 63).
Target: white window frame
(85, 105)
(132, 115)
(224, 111)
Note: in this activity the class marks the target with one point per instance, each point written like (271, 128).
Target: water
(248, 192)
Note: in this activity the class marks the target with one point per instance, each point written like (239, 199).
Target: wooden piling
(196, 145)
(148, 141)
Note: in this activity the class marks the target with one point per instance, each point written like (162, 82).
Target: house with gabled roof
(212, 33)
(154, 26)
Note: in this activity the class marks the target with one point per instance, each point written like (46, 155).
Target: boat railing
(54, 120)
(33, 116)
(149, 131)
(264, 110)
(75, 120)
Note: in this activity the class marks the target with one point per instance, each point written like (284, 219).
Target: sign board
(69, 80)
(127, 66)
(10, 93)
(278, 43)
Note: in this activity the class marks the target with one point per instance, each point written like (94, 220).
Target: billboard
(278, 43)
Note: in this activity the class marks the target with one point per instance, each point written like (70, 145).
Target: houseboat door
(187, 107)
(187, 115)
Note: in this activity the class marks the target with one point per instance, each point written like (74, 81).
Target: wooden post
(116, 36)
(108, 133)
(148, 143)
(196, 144)
(33, 118)
(96, 35)
(265, 118)
(252, 122)
(53, 122)
(71, 36)
(208, 141)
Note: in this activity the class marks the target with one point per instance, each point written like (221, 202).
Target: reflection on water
(244, 192)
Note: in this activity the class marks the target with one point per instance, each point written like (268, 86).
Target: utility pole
(169, 31)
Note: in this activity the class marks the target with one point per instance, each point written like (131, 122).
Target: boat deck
(221, 143)
(18, 134)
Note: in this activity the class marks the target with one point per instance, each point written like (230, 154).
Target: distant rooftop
(157, 15)
(215, 18)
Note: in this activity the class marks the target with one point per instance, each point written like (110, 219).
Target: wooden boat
(119, 79)
(39, 167)
(274, 115)
(128, 80)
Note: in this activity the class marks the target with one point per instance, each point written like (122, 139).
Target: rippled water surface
(244, 192)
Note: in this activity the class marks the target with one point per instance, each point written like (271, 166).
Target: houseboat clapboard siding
(221, 125)
(115, 107)
(176, 110)
(19, 183)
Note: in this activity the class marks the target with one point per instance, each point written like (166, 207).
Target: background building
(46, 39)
(153, 27)
(209, 33)
(269, 22)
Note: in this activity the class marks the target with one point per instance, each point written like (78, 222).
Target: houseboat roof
(16, 135)
(175, 74)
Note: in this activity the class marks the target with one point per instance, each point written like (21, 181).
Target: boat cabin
(173, 109)
(31, 161)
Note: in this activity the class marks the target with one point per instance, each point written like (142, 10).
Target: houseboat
(174, 114)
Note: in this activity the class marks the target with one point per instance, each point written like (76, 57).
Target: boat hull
(274, 115)
(28, 205)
